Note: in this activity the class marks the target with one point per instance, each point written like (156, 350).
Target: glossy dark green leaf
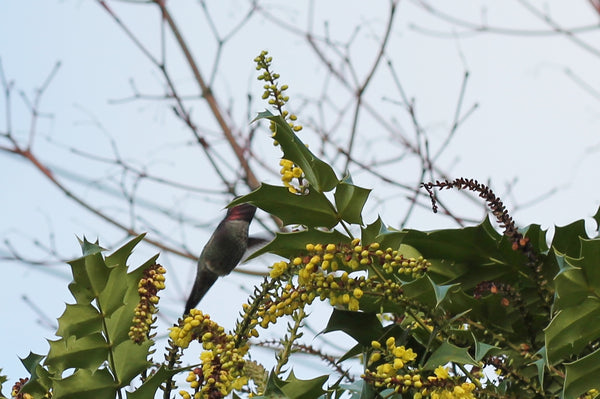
(540, 364)
(566, 238)
(447, 353)
(319, 174)
(130, 359)
(572, 329)
(588, 261)
(89, 248)
(294, 388)
(363, 327)
(120, 256)
(380, 233)
(87, 352)
(151, 385)
(582, 375)
(350, 200)
(293, 244)
(482, 349)
(84, 383)
(311, 210)
(39, 379)
(421, 290)
(441, 291)
(79, 320)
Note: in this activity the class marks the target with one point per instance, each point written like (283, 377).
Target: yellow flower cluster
(392, 370)
(327, 272)
(290, 171)
(392, 373)
(288, 300)
(273, 91)
(592, 393)
(152, 281)
(222, 362)
(459, 391)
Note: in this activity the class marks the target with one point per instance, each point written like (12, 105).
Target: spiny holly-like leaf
(540, 364)
(39, 380)
(482, 349)
(570, 282)
(379, 232)
(566, 238)
(294, 388)
(90, 275)
(120, 256)
(447, 353)
(84, 383)
(119, 321)
(537, 237)
(319, 174)
(350, 200)
(79, 320)
(130, 359)
(572, 329)
(88, 352)
(90, 248)
(441, 291)
(293, 244)
(150, 386)
(311, 210)
(588, 261)
(421, 290)
(363, 327)
(582, 375)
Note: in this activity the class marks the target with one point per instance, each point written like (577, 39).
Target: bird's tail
(204, 280)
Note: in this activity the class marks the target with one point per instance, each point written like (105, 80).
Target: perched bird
(222, 252)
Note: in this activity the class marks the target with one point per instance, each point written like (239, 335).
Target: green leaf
(79, 320)
(570, 283)
(150, 386)
(588, 261)
(540, 364)
(88, 352)
(294, 388)
(572, 329)
(120, 256)
(311, 210)
(39, 381)
(447, 353)
(90, 275)
(582, 375)
(441, 291)
(86, 384)
(356, 350)
(566, 238)
(482, 349)
(421, 290)
(378, 232)
(319, 174)
(350, 200)
(537, 237)
(293, 244)
(130, 359)
(363, 327)
(89, 248)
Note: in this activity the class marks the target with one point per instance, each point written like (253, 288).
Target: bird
(222, 252)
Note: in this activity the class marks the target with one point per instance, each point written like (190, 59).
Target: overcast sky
(537, 121)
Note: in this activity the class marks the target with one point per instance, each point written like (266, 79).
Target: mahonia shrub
(476, 312)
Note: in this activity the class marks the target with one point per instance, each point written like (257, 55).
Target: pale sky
(535, 123)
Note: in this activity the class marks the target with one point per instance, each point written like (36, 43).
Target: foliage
(456, 313)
